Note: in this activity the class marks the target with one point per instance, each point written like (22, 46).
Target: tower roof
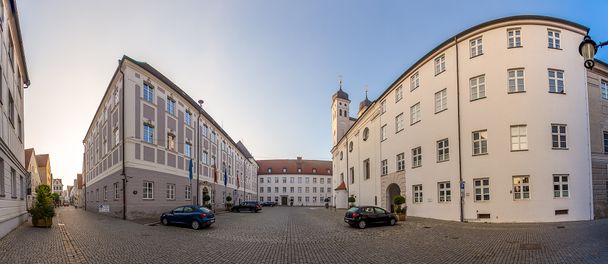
(365, 103)
(341, 94)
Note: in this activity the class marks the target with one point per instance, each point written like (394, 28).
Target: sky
(265, 69)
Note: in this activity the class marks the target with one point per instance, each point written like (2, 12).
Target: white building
(500, 109)
(295, 182)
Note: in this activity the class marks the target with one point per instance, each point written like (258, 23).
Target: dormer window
(269, 170)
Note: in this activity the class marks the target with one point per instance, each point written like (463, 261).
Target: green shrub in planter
(206, 198)
(351, 201)
(43, 210)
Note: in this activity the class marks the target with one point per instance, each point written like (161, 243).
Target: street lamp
(588, 49)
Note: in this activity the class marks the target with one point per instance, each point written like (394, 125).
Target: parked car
(268, 203)
(252, 206)
(194, 216)
(368, 215)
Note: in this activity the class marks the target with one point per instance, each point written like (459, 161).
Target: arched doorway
(391, 191)
(205, 192)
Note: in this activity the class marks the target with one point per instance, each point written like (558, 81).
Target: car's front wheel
(392, 221)
(195, 225)
(164, 221)
(362, 224)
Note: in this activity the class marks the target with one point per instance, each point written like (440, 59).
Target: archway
(205, 192)
(391, 191)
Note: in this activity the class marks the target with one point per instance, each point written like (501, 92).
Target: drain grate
(560, 227)
(529, 246)
(427, 227)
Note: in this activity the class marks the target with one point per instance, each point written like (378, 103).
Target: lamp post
(588, 49)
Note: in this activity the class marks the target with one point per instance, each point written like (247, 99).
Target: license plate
(212, 220)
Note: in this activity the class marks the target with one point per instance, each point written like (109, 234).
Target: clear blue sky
(266, 69)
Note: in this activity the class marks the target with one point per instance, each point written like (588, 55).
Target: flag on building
(214, 174)
(225, 177)
(238, 183)
(190, 170)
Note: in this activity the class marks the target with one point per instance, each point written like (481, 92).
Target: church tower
(340, 121)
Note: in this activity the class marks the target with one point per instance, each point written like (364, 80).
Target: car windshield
(204, 210)
(353, 210)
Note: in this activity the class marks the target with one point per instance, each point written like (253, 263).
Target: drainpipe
(122, 130)
(459, 136)
(198, 157)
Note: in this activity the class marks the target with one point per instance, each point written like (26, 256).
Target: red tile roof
(28, 156)
(342, 186)
(291, 166)
(42, 159)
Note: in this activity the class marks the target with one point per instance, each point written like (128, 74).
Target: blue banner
(190, 169)
(225, 177)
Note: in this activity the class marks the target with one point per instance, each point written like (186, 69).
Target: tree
(56, 198)
(43, 211)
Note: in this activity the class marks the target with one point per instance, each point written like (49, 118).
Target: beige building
(170, 141)
(43, 161)
(14, 79)
(597, 85)
(58, 186)
(32, 168)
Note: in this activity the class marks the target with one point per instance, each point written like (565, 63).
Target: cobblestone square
(303, 235)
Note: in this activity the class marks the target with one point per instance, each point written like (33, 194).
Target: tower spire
(340, 81)
(366, 92)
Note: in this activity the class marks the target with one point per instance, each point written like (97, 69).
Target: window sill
(401, 170)
(442, 161)
(413, 167)
(412, 89)
(559, 148)
(480, 154)
(148, 199)
(519, 150)
(397, 132)
(481, 201)
(397, 100)
(476, 56)
(477, 99)
(515, 47)
(552, 48)
(557, 93)
(437, 73)
(521, 200)
(516, 92)
(445, 109)
(411, 124)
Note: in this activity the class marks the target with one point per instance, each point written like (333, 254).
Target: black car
(194, 216)
(268, 203)
(368, 215)
(252, 206)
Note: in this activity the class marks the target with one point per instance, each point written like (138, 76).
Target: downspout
(122, 130)
(198, 158)
(459, 135)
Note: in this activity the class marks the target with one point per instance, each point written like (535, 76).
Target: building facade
(295, 182)
(13, 79)
(43, 161)
(491, 125)
(34, 178)
(597, 85)
(58, 186)
(169, 143)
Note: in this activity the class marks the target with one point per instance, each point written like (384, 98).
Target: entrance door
(391, 191)
(284, 200)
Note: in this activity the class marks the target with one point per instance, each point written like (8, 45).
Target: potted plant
(398, 200)
(351, 201)
(43, 211)
(228, 203)
(206, 199)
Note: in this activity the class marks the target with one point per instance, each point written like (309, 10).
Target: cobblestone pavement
(302, 235)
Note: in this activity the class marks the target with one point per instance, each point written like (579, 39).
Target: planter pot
(42, 222)
(401, 217)
(228, 207)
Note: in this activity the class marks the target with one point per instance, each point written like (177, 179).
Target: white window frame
(188, 192)
(416, 157)
(444, 191)
(171, 105)
(440, 64)
(148, 93)
(556, 83)
(516, 80)
(383, 133)
(514, 39)
(417, 193)
(604, 89)
(188, 149)
(400, 161)
(415, 115)
(148, 191)
(481, 187)
(441, 100)
(521, 187)
(561, 188)
(443, 150)
(480, 144)
(519, 137)
(170, 191)
(148, 138)
(399, 123)
(384, 167)
(476, 47)
(559, 137)
(414, 81)
(554, 39)
(477, 87)
(383, 107)
(398, 93)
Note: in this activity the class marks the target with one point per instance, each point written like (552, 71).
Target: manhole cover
(560, 227)
(529, 246)
(427, 227)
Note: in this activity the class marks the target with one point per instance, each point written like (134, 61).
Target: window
(170, 105)
(148, 92)
(350, 146)
(105, 193)
(11, 108)
(554, 39)
(2, 185)
(314, 189)
(261, 180)
(268, 189)
(269, 171)
(284, 189)
(307, 189)
(560, 186)
(482, 189)
(328, 189)
(352, 175)
(299, 189)
(188, 150)
(516, 80)
(384, 167)
(321, 189)
(383, 107)
(116, 195)
(416, 157)
(205, 158)
(476, 47)
(116, 136)
(261, 189)
(383, 133)
(171, 142)
(478, 87)
(443, 150)
(213, 137)
(314, 180)
(148, 192)
(514, 38)
(322, 180)
(604, 89)
(417, 193)
(445, 194)
(21, 188)
(291, 180)
(205, 130)
(480, 142)
(521, 187)
(414, 81)
(284, 179)
(300, 169)
(299, 180)
(400, 160)
(117, 97)
(307, 180)
(276, 189)
(170, 191)
(441, 100)
(558, 136)
(440, 64)
(14, 183)
(605, 142)
(366, 171)
(519, 138)
(399, 123)
(188, 118)
(556, 81)
(328, 180)
(415, 114)
(398, 93)
(365, 137)
(291, 189)
(149, 133)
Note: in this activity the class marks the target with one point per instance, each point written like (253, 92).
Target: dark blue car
(194, 216)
